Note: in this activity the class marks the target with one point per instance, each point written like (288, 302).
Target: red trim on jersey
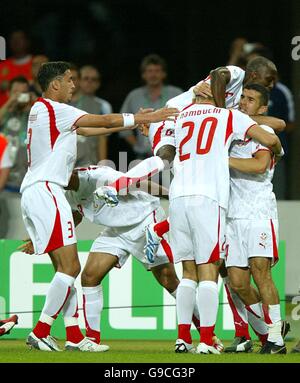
(188, 106)
(215, 255)
(3, 145)
(54, 132)
(56, 239)
(78, 118)
(274, 242)
(229, 128)
(67, 296)
(249, 139)
(157, 136)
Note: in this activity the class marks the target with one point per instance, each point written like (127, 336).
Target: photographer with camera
(13, 124)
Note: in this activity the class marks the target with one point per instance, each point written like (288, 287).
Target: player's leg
(182, 249)
(208, 222)
(262, 254)
(96, 268)
(261, 272)
(48, 219)
(6, 325)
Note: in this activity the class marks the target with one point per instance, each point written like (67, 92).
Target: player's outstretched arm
(87, 132)
(125, 119)
(266, 139)
(220, 77)
(256, 165)
(275, 123)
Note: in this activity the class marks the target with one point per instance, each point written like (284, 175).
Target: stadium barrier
(135, 305)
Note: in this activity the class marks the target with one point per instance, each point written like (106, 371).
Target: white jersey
(203, 134)
(160, 134)
(132, 209)
(5, 159)
(51, 142)
(251, 195)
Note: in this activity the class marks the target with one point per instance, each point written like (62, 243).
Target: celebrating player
(51, 141)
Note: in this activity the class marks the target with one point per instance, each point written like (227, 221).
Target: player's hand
(158, 115)
(202, 89)
(108, 195)
(27, 247)
(144, 129)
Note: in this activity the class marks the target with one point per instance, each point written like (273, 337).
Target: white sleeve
(160, 134)
(241, 123)
(236, 75)
(5, 161)
(257, 146)
(66, 116)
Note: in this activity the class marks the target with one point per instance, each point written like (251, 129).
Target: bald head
(261, 70)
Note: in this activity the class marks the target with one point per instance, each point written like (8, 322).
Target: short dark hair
(51, 70)
(260, 63)
(19, 79)
(153, 59)
(264, 93)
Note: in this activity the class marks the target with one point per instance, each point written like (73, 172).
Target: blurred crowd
(19, 89)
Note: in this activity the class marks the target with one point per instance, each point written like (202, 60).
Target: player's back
(133, 207)
(203, 134)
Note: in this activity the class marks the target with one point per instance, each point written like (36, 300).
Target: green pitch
(133, 351)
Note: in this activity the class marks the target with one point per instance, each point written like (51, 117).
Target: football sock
(143, 170)
(273, 320)
(58, 293)
(70, 314)
(208, 301)
(92, 308)
(185, 303)
(239, 312)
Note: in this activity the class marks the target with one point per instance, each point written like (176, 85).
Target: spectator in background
(13, 124)
(154, 94)
(90, 150)
(37, 61)
(281, 105)
(19, 64)
(5, 166)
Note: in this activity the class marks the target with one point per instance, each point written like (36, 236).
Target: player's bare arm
(275, 123)
(87, 132)
(77, 217)
(117, 120)
(256, 165)
(220, 77)
(266, 139)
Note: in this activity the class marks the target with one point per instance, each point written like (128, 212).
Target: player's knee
(239, 288)
(90, 278)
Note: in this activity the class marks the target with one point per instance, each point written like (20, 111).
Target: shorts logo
(263, 238)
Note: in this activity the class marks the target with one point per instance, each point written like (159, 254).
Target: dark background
(192, 35)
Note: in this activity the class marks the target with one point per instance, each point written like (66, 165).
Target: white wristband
(128, 120)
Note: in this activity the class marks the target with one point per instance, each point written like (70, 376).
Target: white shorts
(197, 228)
(47, 217)
(248, 238)
(130, 240)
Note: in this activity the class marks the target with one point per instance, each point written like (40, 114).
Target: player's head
(55, 79)
(261, 71)
(254, 99)
(153, 70)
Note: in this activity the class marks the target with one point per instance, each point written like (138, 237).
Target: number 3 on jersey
(201, 148)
